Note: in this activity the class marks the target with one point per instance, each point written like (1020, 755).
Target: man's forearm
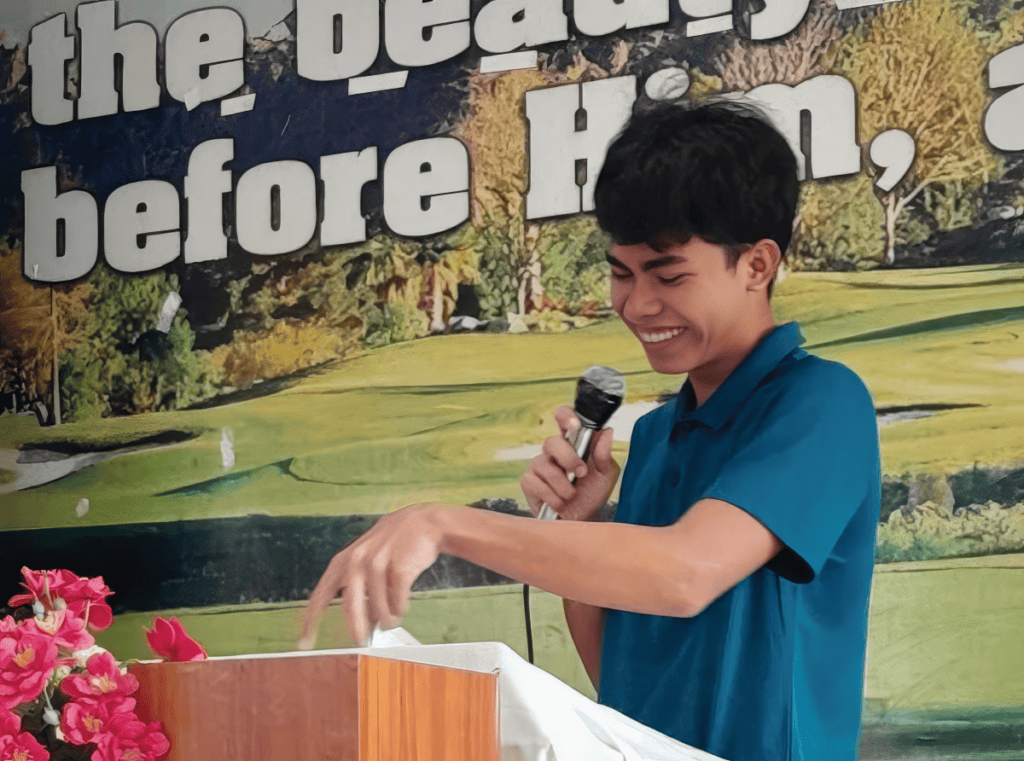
(641, 569)
(675, 570)
(586, 626)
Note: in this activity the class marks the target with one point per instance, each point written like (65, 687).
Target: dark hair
(717, 170)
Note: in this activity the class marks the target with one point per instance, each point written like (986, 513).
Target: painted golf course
(425, 420)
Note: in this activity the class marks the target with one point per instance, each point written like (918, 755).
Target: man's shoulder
(816, 380)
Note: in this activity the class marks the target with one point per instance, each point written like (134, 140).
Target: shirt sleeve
(807, 466)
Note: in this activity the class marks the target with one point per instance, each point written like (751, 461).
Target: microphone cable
(529, 627)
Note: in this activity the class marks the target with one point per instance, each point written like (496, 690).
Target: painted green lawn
(957, 338)
(423, 420)
(947, 633)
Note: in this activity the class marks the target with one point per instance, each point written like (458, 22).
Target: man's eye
(674, 279)
(621, 275)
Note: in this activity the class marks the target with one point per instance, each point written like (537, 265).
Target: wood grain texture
(414, 712)
(345, 707)
(263, 708)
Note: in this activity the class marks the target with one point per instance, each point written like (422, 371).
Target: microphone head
(599, 392)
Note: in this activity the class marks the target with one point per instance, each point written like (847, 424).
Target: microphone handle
(580, 440)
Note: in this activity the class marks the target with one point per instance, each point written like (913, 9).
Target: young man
(726, 606)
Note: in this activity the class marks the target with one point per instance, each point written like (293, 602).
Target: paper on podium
(542, 718)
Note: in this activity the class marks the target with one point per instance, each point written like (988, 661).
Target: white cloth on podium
(541, 717)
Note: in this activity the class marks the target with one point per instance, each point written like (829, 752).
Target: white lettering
(205, 184)
(598, 17)
(276, 207)
(831, 143)
(893, 151)
(426, 186)
(1006, 114)
(777, 19)
(418, 33)
(344, 175)
(705, 8)
(497, 30)
(565, 161)
(141, 224)
(102, 41)
(49, 50)
(203, 55)
(55, 221)
(322, 24)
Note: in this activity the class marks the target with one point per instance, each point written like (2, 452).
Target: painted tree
(37, 324)
(841, 224)
(494, 129)
(573, 278)
(1009, 30)
(411, 276)
(917, 66)
(808, 51)
(123, 364)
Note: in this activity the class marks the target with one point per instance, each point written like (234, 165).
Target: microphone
(599, 392)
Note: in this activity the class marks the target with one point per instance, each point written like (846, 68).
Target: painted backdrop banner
(271, 269)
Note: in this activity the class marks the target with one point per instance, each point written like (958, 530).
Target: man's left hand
(375, 574)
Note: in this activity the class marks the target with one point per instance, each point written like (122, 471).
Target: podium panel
(343, 707)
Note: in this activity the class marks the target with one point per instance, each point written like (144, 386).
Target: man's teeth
(653, 338)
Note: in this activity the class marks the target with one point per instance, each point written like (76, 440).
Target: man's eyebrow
(647, 266)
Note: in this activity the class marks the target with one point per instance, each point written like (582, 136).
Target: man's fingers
(554, 477)
(540, 493)
(377, 595)
(566, 418)
(326, 590)
(562, 454)
(309, 631)
(354, 603)
(530, 485)
(601, 450)
(399, 591)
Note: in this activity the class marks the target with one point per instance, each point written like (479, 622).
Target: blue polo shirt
(773, 670)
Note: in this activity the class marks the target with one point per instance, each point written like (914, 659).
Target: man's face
(686, 304)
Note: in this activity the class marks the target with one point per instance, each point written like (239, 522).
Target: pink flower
(61, 589)
(27, 658)
(45, 586)
(104, 680)
(128, 739)
(88, 595)
(66, 629)
(170, 641)
(86, 720)
(17, 745)
(10, 723)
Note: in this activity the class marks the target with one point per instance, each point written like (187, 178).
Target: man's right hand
(547, 481)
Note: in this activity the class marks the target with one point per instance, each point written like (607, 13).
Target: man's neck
(707, 378)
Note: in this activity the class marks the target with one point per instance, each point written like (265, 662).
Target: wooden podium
(338, 707)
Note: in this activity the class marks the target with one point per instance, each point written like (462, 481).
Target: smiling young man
(726, 605)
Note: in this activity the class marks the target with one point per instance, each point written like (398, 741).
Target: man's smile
(659, 335)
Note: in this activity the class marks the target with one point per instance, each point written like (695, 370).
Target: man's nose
(642, 302)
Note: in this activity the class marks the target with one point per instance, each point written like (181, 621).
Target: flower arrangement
(63, 698)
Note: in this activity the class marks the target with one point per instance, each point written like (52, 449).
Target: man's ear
(760, 263)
